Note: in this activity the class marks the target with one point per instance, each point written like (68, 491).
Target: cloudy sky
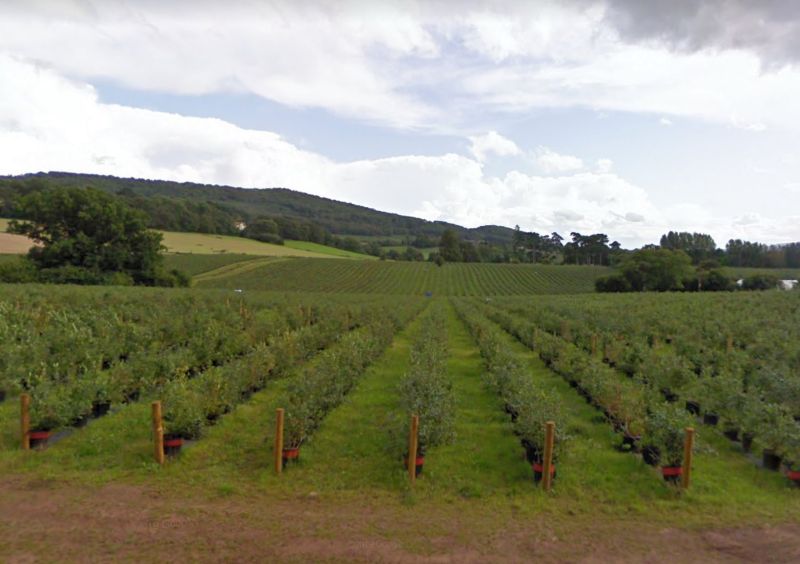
(629, 117)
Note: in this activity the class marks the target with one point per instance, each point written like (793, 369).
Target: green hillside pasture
(325, 250)
(408, 278)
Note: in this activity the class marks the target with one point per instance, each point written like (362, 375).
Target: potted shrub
(793, 461)
(183, 415)
(665, 427)
(775, 431)
(541, 406)
(50, 409)
(297, 426)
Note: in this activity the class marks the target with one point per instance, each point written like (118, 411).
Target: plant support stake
(549, 439)
(25, 421)
(412, 448)
(158, 433)
(687, 457)
(279, 440)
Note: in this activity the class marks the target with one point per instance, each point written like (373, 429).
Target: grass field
(782, 273)
(406, 278)
(325, 250)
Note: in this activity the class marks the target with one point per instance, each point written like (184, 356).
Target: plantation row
(402, 278)
(732, 358)
(77, 352)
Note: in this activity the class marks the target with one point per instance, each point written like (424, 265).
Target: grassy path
(352, 449)
(485, 458)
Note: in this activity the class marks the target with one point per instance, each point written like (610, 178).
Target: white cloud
(492, 143)
(403, 64)
(551, 162)
(604, 165)
(48, 122)
(665, 121)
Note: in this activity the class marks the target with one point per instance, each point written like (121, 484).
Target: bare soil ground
(14, 244)
(48, 521)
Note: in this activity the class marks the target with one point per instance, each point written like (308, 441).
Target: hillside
(404, 278)
(339, 218)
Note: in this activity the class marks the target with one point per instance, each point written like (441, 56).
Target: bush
(613, 283)
(665, 429)
(18, 271)
(760, 282)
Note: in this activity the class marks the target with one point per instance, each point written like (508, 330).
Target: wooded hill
(186, 206)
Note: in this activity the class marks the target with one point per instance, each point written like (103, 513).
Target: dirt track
(41, 521)
(14, 244)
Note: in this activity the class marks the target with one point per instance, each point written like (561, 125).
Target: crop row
(529, 405)
(426, 389)
(748, 381)
(642, 418)
(404, 278)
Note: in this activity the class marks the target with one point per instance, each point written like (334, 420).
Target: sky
(627, 117)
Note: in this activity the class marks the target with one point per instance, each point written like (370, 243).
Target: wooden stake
(729, 344)
(158, 433)
(25, 421)
(594, 344)
(413, 444)
(687, 458)
(279, 440)
(549, 440)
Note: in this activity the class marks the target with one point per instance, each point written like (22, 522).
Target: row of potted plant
(190, 404)
(56, 404)
(638, 414)
(426, 389)
(323, 384)
(529, 404)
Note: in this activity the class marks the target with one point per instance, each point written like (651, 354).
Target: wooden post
(687, 458)
(549, 439)
(279, 440)
(594, 344)
(412, 448)
(729, 344)
(25, 421)
(158, 433)
(535, 343)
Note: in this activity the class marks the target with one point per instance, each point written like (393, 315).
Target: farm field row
(350, 448)
(408, 278)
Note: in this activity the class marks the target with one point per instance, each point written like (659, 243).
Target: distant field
(402, 248)
(325, 250)
(407, 278)
(194, 264)
(202, 243)
(782, 273)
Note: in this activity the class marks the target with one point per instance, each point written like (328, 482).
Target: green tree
(659, 270)
(90, 235)
(450, 246)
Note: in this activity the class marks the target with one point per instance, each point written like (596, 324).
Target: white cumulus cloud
(551, 162)
(492, 143)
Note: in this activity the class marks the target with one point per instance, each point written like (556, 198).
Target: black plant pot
(38, 438)
(651, 455)
(711, 419)
(747, 441)
(669, 395)
(132, 396)
(771, 460)
(80, 421)
(693, 407)
(100, 408)
(172, 444)
(532, 452)
(732, 434)
(630, 443)
(2, 395)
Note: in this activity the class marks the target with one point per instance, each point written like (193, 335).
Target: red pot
(538, 471)
(172, 445)
(38, 439)
(672, 473)
(419, 462)
(794, 476)
(292, 453)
